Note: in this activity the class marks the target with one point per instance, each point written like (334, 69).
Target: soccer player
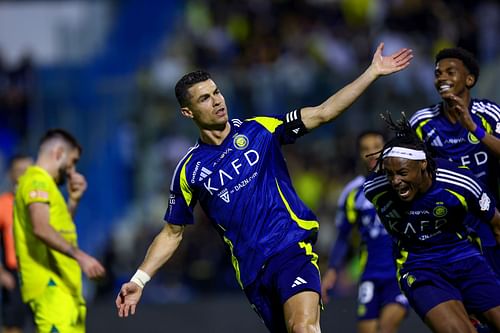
(238, 174)
(424, 204)
(50, 262)
(381, 306)
(14, 311)
(464, 130)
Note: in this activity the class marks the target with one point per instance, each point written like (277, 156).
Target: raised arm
(336, 104)
(160, 250)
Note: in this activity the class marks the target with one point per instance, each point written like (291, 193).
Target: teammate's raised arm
(330, 109)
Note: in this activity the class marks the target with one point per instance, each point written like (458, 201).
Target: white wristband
(140, 278)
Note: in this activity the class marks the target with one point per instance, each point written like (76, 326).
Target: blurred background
(105, 70)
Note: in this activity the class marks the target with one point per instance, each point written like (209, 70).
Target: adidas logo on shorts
(298, 281)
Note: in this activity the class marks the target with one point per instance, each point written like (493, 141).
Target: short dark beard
(61, 177)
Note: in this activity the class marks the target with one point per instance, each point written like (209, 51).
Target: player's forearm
(495, 226)
(492, 143)
(336, 104)
(162, 248)
(47, 234)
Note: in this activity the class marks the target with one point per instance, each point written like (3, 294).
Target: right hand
(327, 283)
(127, 299)
(7, 280)
(90, 266)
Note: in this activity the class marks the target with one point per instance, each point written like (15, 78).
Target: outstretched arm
(334, 106)
(160, 250)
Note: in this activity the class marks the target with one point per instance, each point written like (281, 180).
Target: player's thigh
(367, 326)
(391, 317)
(57, 311)
(302, 309)
(493, 317)
(449, 316)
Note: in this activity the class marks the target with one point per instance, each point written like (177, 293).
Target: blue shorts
(284, 275)
(374, 294)
(492, 255)
(469, 280)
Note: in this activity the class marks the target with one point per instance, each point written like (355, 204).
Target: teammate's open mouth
(444, 88)
(404, 191)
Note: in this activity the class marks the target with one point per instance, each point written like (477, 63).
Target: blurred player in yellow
(50, 262)
(14, 312)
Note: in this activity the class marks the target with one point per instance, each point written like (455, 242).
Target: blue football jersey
(430, 229)
(452, 141)
(355, 211)
(244, 188)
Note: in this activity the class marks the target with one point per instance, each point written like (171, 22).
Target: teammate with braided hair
(426, 205)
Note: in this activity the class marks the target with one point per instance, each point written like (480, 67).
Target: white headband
(409, 154)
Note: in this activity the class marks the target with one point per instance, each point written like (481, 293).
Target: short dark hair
(467, 58)
(16, 157)
(367, 133)
(186, 82)
(59, 133)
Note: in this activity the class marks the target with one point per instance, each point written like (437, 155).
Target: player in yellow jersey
(50, 262)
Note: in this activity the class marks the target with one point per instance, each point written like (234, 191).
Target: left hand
(76, 186)
(384, 65)
(460, 108)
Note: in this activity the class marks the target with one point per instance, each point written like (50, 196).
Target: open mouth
(403, 191)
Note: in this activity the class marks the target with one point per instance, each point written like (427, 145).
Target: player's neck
(215, 136)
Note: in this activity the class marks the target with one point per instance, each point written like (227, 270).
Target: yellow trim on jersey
(310, 252)
(186, 190)
(268, 122)
(400, 262)
(304, 224)
(375, 198)
(363, 258)
(419, 129)
(234, 261)
(485, 124)
(350, 207)
(461, 198)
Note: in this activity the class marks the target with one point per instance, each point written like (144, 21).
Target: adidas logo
(204, 173)
(393, 214)
(296, 130)
(298, 281)
(437, 142)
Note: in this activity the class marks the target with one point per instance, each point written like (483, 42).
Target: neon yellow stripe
(461, 198)
(268, 122)
(186, 190)
(375, 198)
(419, 129)
(363, 258)
(309, 252)
(485, 124)
(400, 262)
(234, 261)
(304, 224)
(350, 208)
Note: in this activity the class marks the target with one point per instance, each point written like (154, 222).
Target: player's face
(407, 177)
(18, 167)
(67, 165)
(207, 106)
(451, 76)
(369, 144)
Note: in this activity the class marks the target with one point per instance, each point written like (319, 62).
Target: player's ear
(470, 80)
(186, 112)
(423, 165)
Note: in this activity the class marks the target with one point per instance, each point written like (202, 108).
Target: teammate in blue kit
(381, 306)
(424, 204)
(238, 175)
(464, 130)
